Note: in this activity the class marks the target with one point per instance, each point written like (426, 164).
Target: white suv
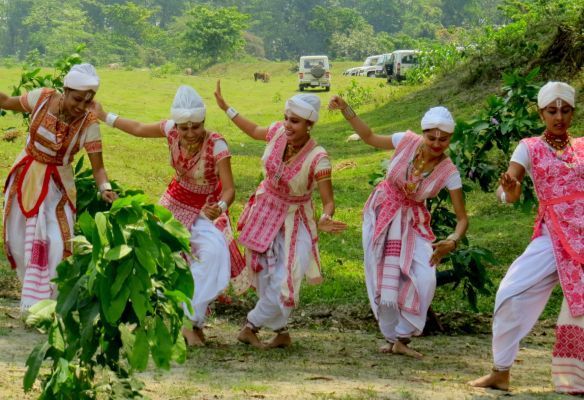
(314, 71)
(369, 66)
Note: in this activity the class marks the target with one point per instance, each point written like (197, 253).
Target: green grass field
(143, 163)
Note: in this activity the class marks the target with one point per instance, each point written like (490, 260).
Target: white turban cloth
(187, 106)
(82, 77)
(304, 105)
(556, 90)
(438, 117)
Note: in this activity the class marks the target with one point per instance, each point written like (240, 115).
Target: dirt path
(321, 364)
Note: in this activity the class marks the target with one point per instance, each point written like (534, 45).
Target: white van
(314, 71)
(399, 63)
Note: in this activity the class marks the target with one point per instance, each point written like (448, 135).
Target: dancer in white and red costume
(198, 196)
(555, 163)
(40, 195)
(278, 226)
(397, 239)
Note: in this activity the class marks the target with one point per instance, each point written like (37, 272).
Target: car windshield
(314, 62)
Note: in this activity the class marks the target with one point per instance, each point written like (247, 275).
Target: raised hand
(219, 97)
(337, 103)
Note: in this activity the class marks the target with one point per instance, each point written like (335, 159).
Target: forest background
(157, 32)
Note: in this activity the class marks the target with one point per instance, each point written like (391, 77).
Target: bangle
(503, 197)
(455, 238)
(324, 216)
(231, 112)
(110, 119)
(104, 186)
(348, 113)
(222, 205)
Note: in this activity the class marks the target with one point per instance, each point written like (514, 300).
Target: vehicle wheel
(327, 88)
(301, 88)
(371, 75)
(317, 71)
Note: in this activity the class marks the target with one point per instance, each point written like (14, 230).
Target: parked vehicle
(364, 69)
(399, 63)
(380, 66)
(314, 71)
(368, 68)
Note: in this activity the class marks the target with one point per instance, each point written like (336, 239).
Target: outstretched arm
(130, 126)
(248, 127)
(362, 129)
(11, 103)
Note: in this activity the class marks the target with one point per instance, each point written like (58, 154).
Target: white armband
(110, 119)
(231, 112)
(104, 186)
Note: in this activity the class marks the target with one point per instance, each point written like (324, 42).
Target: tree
(213, 34)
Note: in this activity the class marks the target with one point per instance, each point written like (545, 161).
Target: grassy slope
(142, 163)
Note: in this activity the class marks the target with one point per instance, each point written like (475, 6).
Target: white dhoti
(211, 268)
(270, 311)
(521, 298)
(393, 322)
(36, 244)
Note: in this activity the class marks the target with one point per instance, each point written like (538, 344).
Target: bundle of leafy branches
(119, 300)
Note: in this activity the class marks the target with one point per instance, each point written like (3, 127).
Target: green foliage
(119, 301)
(435, 61)
(481, 148)
(213, 34)
(356, 94)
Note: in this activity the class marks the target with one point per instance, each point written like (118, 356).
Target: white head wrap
(82, 77)
(187, 106)
(304, 105)
(438, 117)
(556, 90)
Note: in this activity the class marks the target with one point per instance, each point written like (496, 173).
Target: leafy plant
(477, 145)
(357, 95)
(120, 300)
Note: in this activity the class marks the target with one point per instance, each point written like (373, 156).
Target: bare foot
(281, 340)
(192, 338)
(200, 334)
(403, 349)
(386, 348)
(495, 380)
(248, 336)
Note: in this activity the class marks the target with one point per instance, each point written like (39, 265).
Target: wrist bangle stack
(348, 113)
(231, 112)
(110, 119)
(222, 205)
(104, 187)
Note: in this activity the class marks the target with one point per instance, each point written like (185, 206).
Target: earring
(308, 128)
